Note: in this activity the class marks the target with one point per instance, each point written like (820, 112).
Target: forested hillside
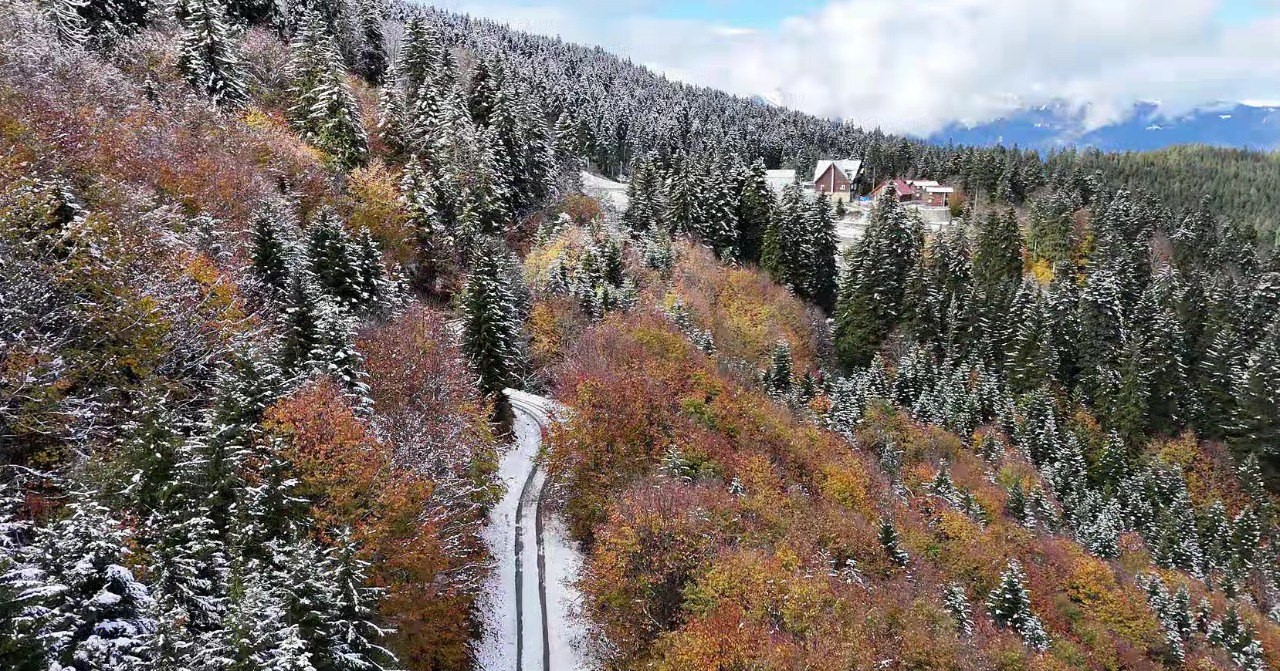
(266, 268)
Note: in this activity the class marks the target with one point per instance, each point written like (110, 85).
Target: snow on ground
(497, 648)
(607, 191)
(564, 602)
(561, 562)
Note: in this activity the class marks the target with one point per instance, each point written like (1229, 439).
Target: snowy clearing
(607, 191)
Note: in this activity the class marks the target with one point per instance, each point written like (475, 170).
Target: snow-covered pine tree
(333, 260)
(351, 627)
(754, 208)
(79, 603)
(820, 254)
(1238, 639)
(874, 286)
(957, 604)
(644, 208)
(270, 229)
(109, 21)
(371, 52)
(778, 377)
(1258, 394)
(324, 110)
(300, 322)
(491, 335)
(208, 54)
(189, 576)
(392, 116)
(889, 541)
(19, 649)
(782, 250)
(1010, 606)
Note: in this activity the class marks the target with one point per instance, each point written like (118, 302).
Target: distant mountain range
(1146, 127)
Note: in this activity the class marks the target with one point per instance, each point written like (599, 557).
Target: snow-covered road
(530, 601)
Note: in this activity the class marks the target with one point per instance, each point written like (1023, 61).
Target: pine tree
(1010, 606)
(72, 29)
(755, 204)
(782, 248)
(324, 110)
(300, 323)
(334, 260)
(1258, 394)
(20, 650)
(108, 21)
(78, 600)
(371, 56)
(189, 572)
(820, 255)
(997, 257)
(492, 331)
(778, 378)
(889, 541)
(269, 236)
(1237, 637)
(957, 604)
(873, 288)
(208, 55)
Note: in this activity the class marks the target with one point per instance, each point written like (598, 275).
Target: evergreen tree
(1258, 395)
(491, 325)
(957, 604)
(889, 541)
(72, 29)
(334, 260)
(208, 55)
(778, 378)
(109, 21)
(820, 255)
(873, 288)
(300, 323)
(79, 602)
(782, 250)
(1010, 606)
(371, 56)
(755, 203)
(324, 110)
(997, 256)
(20, 649)
(269, 237)
(1236, 636)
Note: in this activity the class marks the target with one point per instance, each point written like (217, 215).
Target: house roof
(939, 189)
(899, 185)
(850, 168)
(923, 183)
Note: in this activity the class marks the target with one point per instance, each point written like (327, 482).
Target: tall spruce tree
(208, 54)
(324, 111)
(754, 208)
(873, 289)
(1010, 606)
(491, 335)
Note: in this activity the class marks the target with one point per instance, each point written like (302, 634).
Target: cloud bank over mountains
(914, 66)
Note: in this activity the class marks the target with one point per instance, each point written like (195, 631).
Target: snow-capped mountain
(1146, 127)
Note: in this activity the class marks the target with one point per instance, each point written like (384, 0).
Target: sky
(912, 66)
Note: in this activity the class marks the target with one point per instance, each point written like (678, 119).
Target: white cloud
(914, 65)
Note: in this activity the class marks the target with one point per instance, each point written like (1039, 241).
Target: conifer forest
(268, 267)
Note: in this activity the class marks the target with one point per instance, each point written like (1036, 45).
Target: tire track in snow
(536, 481)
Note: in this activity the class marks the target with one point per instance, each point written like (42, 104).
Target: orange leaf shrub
(426, 556)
